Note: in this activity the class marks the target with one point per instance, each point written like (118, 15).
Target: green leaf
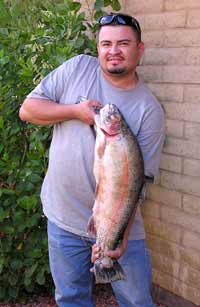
(2, 292)
(12, 279)
(98, 5)
(1, 265)
(28, 202)
(13, 292)
(7, 191)
(16, 264)
(4, 31)
(8, 229)
(3, 214)
(40, 278)
(75, 6)
(28, 281)
(29, 272)
(34, 219)
(4, 60)
(116, 5)
(36, 253)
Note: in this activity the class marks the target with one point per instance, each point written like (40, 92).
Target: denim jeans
(70, 264)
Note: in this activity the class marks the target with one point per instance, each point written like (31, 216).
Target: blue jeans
(69, 256)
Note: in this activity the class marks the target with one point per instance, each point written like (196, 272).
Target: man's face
(118, 49)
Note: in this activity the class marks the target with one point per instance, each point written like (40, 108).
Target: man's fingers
(95, 253)
(114, 254)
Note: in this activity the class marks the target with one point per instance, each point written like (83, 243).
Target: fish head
(109, 119)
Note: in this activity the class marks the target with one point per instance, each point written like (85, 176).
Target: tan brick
(181, 74)
(192, 294)
(191, 204)
(163, 247)
(167, 92)
(167, 282)
(191, 167)
(185, 148)
(153, 38)
(134, 7)
(190, 276)
(183, 111)
(192, 131)
(193, 19)
(190, 256)
(162, 229)
(191, 240)
(165, 264)
(181, 4)
(164, 56)
(174, 128)
(192, 93)
(171, 163)
(182, 38)
(182, 183)
(152, 73)
(180, 218)
(162, 20)
(164, 196)
(151, 208)
(177, 287)
(193, 56)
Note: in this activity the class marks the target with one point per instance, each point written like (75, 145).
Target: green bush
(35, 37)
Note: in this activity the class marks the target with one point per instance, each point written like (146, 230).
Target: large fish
(119, 174)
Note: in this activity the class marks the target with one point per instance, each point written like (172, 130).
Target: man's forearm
(45, 112)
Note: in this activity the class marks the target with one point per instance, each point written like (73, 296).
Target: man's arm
(45, 112)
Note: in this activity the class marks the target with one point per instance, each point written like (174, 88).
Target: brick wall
(171, 68)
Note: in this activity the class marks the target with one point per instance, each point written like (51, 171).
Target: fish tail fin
(107, 275)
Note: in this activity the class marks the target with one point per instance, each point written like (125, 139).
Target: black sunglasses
(121, 19)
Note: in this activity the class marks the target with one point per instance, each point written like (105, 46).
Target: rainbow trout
(119, 174)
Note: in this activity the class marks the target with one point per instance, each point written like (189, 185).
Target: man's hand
(86, 110)
(116, 254)
(119, 251)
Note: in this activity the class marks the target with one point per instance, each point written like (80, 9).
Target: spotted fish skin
(119, 175)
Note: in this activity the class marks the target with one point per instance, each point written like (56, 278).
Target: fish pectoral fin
(96, 190)
(91, 227)
(101, 146)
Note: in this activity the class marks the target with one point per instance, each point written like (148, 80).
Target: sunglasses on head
(121, 19)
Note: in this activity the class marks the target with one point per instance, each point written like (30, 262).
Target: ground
(103, 296)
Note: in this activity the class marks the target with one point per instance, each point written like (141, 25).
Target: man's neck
(124, 82)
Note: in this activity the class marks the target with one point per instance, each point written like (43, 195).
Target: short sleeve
(53, 85)
(151, 139)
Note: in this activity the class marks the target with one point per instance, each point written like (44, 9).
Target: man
(68, 189)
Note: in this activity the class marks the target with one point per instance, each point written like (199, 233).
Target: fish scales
(119, 174)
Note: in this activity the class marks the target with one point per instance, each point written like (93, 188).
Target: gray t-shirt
(68, 188)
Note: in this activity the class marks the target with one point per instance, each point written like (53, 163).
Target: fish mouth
(109, 130)
(112, 128)
(110, 133)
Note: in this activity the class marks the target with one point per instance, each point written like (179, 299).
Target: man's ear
(141, 49)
